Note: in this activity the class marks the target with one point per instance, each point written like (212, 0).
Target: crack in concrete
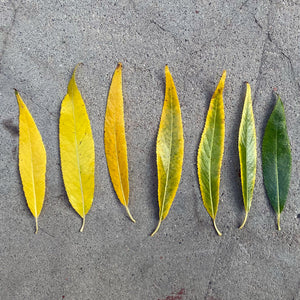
(293, 73)
(258, 77)
(258, 24)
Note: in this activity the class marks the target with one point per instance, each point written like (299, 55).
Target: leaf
(247, 152)
(77, 151)
(115, 140)
(32, 161)
(169, 149)
(277, 159)
(210, 152)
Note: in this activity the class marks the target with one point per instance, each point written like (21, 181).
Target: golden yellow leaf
(210, 153)
(77, 151)
(32, 161)
(169, 149)
(115, 140)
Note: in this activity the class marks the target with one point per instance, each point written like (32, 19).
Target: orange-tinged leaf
(115, 140)
(32, 161)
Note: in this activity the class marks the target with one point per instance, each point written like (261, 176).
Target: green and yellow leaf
(247, 152)
(115, 140)
(210, 152)
(77, 151)
(32, 161)
(277, 159)
(169, 149)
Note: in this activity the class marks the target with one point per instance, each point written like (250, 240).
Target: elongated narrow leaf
(247, 152)
(169, 149)
(115, 140)
(32, 161)
(77, 151)
(210, 152)
(277, 159)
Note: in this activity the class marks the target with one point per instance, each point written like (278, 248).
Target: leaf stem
(36, 225)
(158, 225)
(129, 214)
(216, 228)
(83, 223)
(278, 222)
(246, 216)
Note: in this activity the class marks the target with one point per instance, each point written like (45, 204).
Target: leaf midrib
(119, 172)
(32, 175)
(169, 161)
(246, 173)
(77, 155)
(276, 170)
(209, 164)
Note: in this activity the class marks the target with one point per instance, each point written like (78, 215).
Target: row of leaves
(78, 155)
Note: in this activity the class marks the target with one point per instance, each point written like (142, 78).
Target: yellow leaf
(115, 141)
(32, 161)
(77, 151)
(169, 149)
(210, 152)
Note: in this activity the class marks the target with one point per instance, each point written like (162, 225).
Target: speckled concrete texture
(41, 42)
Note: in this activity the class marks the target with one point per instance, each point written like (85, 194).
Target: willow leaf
(210, 152)
(247, 152)
(277, 159)
(32, 161)
(169, 149)
(77, 151)
(115, 140)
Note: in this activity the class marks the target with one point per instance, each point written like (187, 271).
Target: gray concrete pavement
(41, 42)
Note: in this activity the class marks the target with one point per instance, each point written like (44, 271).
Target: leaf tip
(119, 66)
(167, 68)
(224, 74)
(75, 69)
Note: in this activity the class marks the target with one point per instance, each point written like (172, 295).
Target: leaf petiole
(158, 225)
(36, 225)
(278, 222)
(216, 228)
(129, 214)
(83, 223)
(246, 216)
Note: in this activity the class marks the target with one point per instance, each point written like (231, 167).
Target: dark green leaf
(276, 159)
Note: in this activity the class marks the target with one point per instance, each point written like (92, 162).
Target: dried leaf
(32, 161)
(247, 152)
(277, 159)
(77, 151)
(115, 140)
(210, 152)
(169, 149)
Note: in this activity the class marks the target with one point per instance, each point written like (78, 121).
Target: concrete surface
(41, 42)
